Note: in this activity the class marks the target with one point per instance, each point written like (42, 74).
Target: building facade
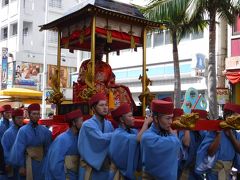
(232, 63)
(193, 51)
(22, 44)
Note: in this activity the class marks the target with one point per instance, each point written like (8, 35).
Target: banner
(10, 75)
(27, 74)
(4, 68)
(63, 75)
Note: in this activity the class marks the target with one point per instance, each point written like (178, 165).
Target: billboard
(199, 64)
(63, 75)
(27, 74)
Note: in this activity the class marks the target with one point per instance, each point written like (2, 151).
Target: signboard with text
(4, 73)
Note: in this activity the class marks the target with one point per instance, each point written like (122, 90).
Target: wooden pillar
(93, 39)
(58, 65)
(144, 70)
(107, 58)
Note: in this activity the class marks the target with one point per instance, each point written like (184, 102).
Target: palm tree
(224, 9)
(175, 14)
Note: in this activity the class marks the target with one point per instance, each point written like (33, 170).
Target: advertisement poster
(63, 75)
(4, 68)
(27, 74)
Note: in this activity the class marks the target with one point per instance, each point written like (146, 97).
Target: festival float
(112, 26)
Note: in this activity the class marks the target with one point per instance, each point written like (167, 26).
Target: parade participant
(5, 123)
(2, 164)
(102, 69)
(125, 141)
(219, 150)
(93, 142)
(7, 142)
(104, 81)
(159, 146)
(30, 146)
(62, 160)
(190, 142)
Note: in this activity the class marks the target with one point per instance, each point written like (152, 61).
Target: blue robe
(4, 125)
(124, 152)
(30, 136)
(93, 145)
(188, 162)
(225, 152)
(7, 142)
(160, 154)
(2, 164)
(65, 144)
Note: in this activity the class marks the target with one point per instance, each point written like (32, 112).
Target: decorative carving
(186, 121)
(56, 97)
(149, 96)
(232, 122)
(90, 90)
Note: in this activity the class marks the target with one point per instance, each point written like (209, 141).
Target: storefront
(233, 75)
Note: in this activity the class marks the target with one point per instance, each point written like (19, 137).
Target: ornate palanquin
(117, 26)
(120, 26)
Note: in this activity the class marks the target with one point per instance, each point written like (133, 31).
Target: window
(185, 38)
(197, 35)
(25, 31)
(13, 28)
(5, 3)
(167, 37)
(55, 3)
(149, 40)
(158, 39)
(235, 43)
(4, 33)
(236, 26)
(52, 37)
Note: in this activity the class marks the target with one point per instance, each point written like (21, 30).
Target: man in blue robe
(62, 161)
(5, 123)
(7, 142)
(124, 149)
(31, 145)
(2, 164)
(93, 142)
(160, 147)
(219, 150)
(190, 142)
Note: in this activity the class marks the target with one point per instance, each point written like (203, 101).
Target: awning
(21, 93)
(233, 76)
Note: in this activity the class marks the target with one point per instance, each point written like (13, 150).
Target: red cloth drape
(233, 76)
